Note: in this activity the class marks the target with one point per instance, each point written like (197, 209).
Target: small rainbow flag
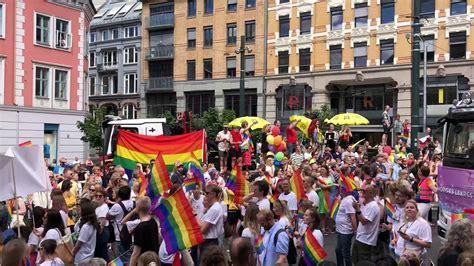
(274, 196)
(198, 174)
(268, 178)
(160, 181)
(335, 207)
(296, 184)
(10, 210)
(116, 262)
(189, 184)
(312, 252)
(26, 144)
(348, 183)
(389, 209)
(259, 244)
(179, 226)
(143, 182)
(300, 214)
(238, 184)
(457, 216)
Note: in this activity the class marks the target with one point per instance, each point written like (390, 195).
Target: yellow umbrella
(250, 119)
(304, 123)
(348, 119)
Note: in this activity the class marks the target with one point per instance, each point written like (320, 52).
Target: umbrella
(347, 119)
(304, 123)
(250, 119)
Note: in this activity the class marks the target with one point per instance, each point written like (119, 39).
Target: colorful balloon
(279, 156)
(271, 148)
(280, 147)
(275, 131)
(277, 140)
(270, 139)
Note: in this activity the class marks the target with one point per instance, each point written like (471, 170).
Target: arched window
(129, 111)
(110, 109)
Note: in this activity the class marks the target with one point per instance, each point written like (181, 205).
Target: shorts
(223, 154)
(386, 130)
(235, 153)
(247, 158)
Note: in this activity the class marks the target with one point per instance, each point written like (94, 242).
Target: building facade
(114, 59)
(43, 74)
(355, 56)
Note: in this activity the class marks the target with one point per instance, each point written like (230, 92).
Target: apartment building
(355, 56)
(114, 59)
(43, 74)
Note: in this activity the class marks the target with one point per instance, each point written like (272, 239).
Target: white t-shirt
(263, 204)
(55, 262)
(248, 233)
(215, 217)
(53, 234)
(163, 255)
(33, 239)
(64, 217)
(343, 220)
(284, 222)
(369, 232)
(419, 229)
(291, 199)
(313, 197)
(117, 212)
(87, 236)
(101, 212)
(198, 206)
(319, 236)
(223, 136)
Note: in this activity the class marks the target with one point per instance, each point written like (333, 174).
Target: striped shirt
(297, 158)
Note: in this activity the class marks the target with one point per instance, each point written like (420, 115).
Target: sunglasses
(99, 196)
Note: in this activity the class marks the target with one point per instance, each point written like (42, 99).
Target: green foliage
(91, 127)
(322, 114)
(176, 127)
(212, 121)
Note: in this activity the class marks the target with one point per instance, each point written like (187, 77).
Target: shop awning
(338, 84)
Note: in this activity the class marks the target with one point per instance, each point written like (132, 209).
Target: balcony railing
(107, 67)
(158, 21)
(161, 83)
(161, 52)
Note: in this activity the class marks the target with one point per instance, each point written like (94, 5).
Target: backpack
(125, 236)
(292, 255)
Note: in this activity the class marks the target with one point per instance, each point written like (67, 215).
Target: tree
(91, 127)
(322, 114)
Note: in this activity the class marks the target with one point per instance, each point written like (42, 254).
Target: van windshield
(460, 140)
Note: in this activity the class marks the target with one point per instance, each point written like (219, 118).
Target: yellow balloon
(270, 139)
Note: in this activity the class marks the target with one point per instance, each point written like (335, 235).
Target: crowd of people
(94, 216)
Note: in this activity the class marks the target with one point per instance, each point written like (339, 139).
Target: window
(457, 45)
(458, 7)
(361, 15)
(41, 82)
(231, 5)
(249, 3)
(192, 38)
(430, 48)
(91, 86)
(283, 62)
(199, 102)
(114, 84)
(62, 34)
(92, 59)
(130, 55)
(42, 29)
(208, 36)
(131, 32)
(158, 103)
(207, 68)
(231, 33)
(336, 18)
(105, 35)
(208, 6)
(335, 53)
(129, 111)
(305, 22)
(284, 1)
(231, 67)
(295, 99)
(2, 20)
(60, 84)
(305, 59)
(92, 37)
(232, 101)
(191, 70)
(427, 9)
(105, 85)
(360, 54)
(284, 26)
(250, 65)
(130, 83)
(191, 8)
(110, 58)
(114, 34)
(386, 52)
(387, 10)
(250, 31)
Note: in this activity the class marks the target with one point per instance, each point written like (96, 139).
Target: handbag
(64, 249)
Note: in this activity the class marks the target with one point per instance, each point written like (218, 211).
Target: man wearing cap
(223, 139)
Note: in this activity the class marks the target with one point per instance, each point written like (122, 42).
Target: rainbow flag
(312, 252)
(259, 244)
(10, 210)
(143, 182)
(238, 184)
(300, 214)
(116, 262)
(296, 184)
(457, 216)
(348, 183)
(26, 144)
(160, 181)
(195, 168)
(134, 148)
(335, 207)
(189, 184)
(274, 197)
(179, 226)
(326, 197)
(389, 209)
(268, 178)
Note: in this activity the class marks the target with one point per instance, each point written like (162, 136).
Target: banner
(455, 188)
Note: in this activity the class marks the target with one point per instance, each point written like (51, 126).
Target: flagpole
(16, 200)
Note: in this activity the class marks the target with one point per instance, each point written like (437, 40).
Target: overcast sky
(98, 3)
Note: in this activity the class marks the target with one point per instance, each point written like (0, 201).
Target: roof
(138, 121)
(117, 11)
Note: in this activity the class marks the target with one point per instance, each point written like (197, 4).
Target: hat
(270, 154)
(225, 125)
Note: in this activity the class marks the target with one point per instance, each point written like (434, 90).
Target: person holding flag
(312, 242)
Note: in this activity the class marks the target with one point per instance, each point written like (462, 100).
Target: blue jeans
(291, 148)
(343, 249)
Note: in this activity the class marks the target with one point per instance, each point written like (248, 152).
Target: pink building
(43, 73)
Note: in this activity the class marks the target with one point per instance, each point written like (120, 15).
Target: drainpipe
(265, 56)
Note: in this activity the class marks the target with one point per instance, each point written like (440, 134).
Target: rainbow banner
(160, 181)
(459, 216)
(348, 183)
(189, 184)
(238, 184)
(335, 207)
(134, 148)
(259, 244)
(389, 209)
(116, 262)
(312, 252)
(296, 184)
(195, 168)
(179, 226)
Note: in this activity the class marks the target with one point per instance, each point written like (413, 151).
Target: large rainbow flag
(348, 183)
(160, 181)
(179, 226)
(238, 184)
(296, 184)
(134, 148)
(312, 252)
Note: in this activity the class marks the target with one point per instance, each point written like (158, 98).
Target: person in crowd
(403, 180)
(96, 176)
(276, 250)
(426, 189)
(326, 184)
(466, 258)
(346, 226)
(242, 252)
(235, 142)
(148, 258)
(87, 237)
(332, 137)
(251, 227)
(196, 198)
(47, 250)
(259, 195)
(297, 157)
(270, 166)
(266, 131)
(386, 124)
(70, 197)
(397, 127)
(214, 256)
(178, 176)
(223, 140)
(344, 137)
(34, 237)
(289, 196)
(59, 203)
(311, 219)
(460, 238)
(367, 231)
(413, 236)
(53, 226)
(14, 253)
(103, 235)
(291, 137)
(212, 222)
(247, 147)
(280, 209)
(308, 185)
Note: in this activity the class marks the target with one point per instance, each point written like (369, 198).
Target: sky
(98, 3)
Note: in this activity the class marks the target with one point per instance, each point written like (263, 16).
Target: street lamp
(242, 51)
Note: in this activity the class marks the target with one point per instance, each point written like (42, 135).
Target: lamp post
(415, 77)
(242, 51)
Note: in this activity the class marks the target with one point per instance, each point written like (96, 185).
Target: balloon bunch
(276, 144)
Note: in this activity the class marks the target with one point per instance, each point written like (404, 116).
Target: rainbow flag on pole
(312, 252)
(179, 226)
(116, 262)
(160, 181)
(335, 207)
(348, 183)
(195, 168)
(189, 184)
(238, 184)
(296, 184)
(389, 209)
(259, 244)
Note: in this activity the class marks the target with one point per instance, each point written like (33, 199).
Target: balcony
(160, 52)
(107, 67)
(160, 21)
(159, 84)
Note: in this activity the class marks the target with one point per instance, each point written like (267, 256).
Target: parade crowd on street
(377, 199)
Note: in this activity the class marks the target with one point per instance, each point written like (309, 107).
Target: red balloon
(275, 131)
(281, 147)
